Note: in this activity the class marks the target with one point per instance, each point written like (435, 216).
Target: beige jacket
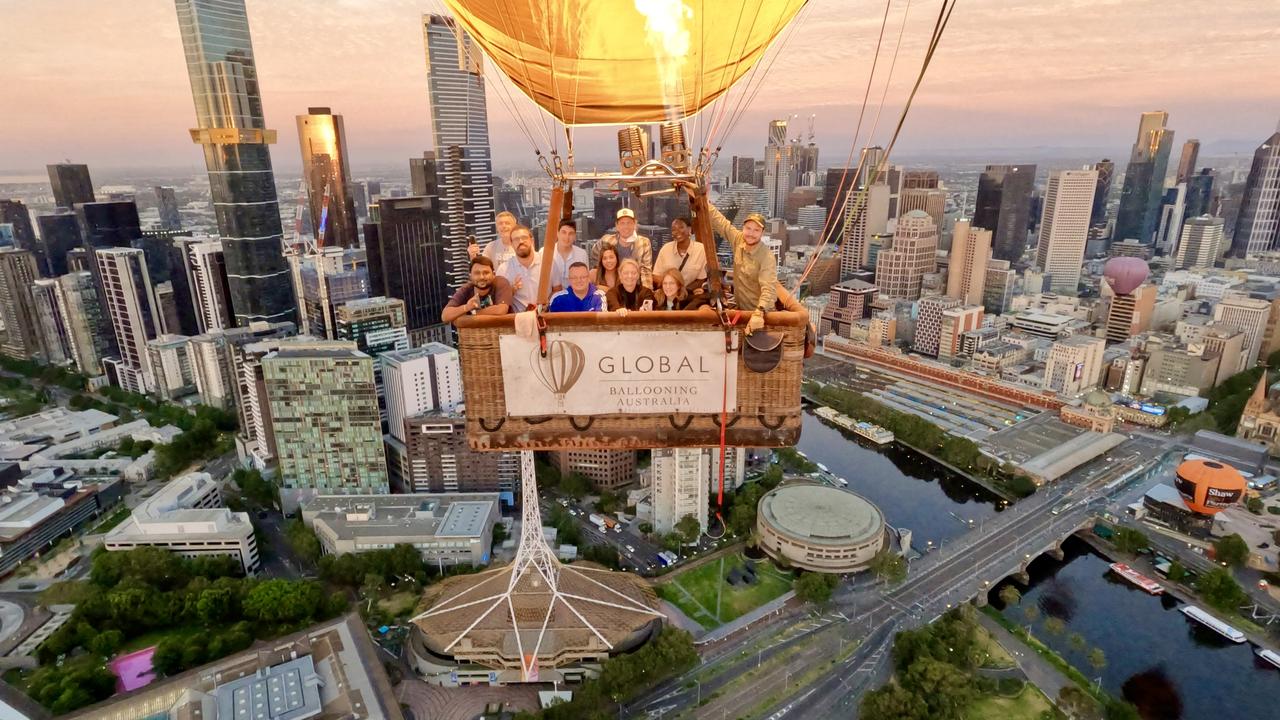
(755, 269)
(641, 252)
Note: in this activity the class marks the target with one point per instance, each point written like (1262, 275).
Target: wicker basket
(768, 404)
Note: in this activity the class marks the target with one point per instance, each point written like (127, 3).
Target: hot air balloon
(615, 62)
(560, 368)
(1125, 274)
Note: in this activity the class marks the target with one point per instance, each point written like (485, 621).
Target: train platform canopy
(1059, 461)
(1247, 457)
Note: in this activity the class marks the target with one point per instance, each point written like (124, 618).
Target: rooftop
(456, 515)
(821, 514)
(431, 348)
(55, 423)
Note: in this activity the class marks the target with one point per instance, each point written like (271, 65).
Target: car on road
(630, 549)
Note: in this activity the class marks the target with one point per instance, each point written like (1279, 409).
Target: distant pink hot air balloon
(1125, 274)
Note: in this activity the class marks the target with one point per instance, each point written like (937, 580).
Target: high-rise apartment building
(929, 323)
(50, 326)
(1068, 204)
(849, 302)
(681, 487)
(970, 253)
(901, 267)
(410, 259)
(376, 324)
(167, 202)
(130, 304)
(424, 379)
(1074, 365)
(606, 469)
(21, 336)
(1187, 161)
(955, 323)
(326, 279)
(82, 314)
(1201, 199)
(779, 167)
(460, 127)
(255, 442)
(206, 272)
(1144, 179)
(171, 366)
(436, 458)
(212, 370)
(1258, 226)
(324, 416)
(326, 172)
(1129, 315)
(1003, 206)
(1249, 316)
(868, 216)
(998, 289)
(231, 130)
(1201, 244)
(71, 184)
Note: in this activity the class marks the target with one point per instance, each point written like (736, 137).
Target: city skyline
(1071, 89)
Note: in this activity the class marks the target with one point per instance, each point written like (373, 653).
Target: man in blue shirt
(581, 296)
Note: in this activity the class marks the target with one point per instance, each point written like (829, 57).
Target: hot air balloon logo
(560, 368)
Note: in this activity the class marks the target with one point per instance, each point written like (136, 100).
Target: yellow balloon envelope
(609, 62)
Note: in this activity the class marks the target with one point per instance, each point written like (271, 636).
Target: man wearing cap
(755, 269)
(629, 245)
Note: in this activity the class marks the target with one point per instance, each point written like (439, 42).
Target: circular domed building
(1209, 486)
(819, 528)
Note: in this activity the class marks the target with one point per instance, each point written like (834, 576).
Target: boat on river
(1271, 656)
(862, 428)
(1213, 623)
(1137, 579)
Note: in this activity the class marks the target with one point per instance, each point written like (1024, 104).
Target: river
(1168, 666)
(911, 490)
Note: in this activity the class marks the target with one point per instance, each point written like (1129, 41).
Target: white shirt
(513, 270)
(560, 265)
(499, 252)
(669, 258)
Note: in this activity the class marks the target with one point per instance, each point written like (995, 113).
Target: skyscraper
(1143, 187)
(59, 235)
(375, 324)
(1003, 206)
(870, 217)
(1201, 242)
(1258, 226)
(112, 223)
(970, 253)
(901, 267)
(742, 170)
(425, 379)
(50, 326)
(779, 168)
(931, 200)
(1068, 204)
(1200, 194)
(422, 175)
(21, 337)
(130, 304)
(81, 311)
(1248, 315)
(326, 171)
(71, 184)
(681, 487)
(167, 201)
(1169, 227)
(1106, 173)
(324, 417)
(15, 213)
(408, 257)
(460, 127)
(230, 128)
(1187, 162)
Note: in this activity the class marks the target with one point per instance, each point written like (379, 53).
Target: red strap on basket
(724, 401)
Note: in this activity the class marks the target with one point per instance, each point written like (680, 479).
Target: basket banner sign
(618, 373)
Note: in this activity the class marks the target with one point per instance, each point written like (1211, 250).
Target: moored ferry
(1212, 623)
(862, 428)
(1136, 578)
(1271, 656)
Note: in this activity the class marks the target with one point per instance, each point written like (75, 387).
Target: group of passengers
(620, 274)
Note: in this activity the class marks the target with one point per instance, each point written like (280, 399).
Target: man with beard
(523, 270)
(629, 246)
(486, 294)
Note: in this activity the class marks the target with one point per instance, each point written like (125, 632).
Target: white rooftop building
(187, 517)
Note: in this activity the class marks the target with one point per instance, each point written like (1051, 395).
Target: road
(828, 666)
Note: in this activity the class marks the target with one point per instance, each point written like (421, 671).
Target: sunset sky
(103, 81)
